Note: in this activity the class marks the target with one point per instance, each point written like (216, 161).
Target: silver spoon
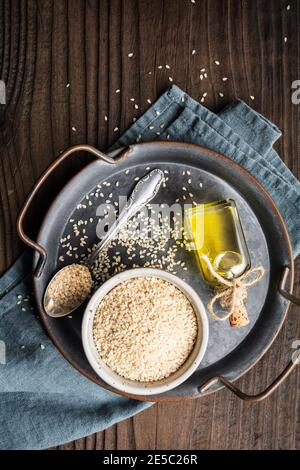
(144, 191)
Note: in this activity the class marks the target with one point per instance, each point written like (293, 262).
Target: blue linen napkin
(44, 401)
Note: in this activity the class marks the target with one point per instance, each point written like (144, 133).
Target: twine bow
(232, 293)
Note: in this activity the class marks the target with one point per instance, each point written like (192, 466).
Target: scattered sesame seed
(132, 99)
(67, 85)
(105, 118)
(42, 347)
(130, 54)
(285, 39)
(202, 70)
(116, 129)
(193, 51)
(170, 79)
(74, 129)
(201, 77)
(136, 106)
(224, 79)
(252, 97)
(118, 90)
(288, 7)
(148, 101)
(160, 67)
(167, 67)
(217, 62)
(221, 95)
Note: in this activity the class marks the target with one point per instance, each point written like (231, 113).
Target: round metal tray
(231, 352)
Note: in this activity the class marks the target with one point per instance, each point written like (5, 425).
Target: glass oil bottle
(214, 229)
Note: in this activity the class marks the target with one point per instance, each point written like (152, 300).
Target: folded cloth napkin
(44, 401)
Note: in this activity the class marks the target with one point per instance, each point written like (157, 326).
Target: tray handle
(20, 221)
(281, 377)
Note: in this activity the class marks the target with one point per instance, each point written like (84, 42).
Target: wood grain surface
(62, 62)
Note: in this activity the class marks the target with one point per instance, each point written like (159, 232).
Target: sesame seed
(288, 7)
(217, 62)
(224, 79)
(74, 129)
(202, 70)
(148, 101)
(130, 54)
(221, 95)
(252, 97)
(193, 51)
(67, 85)
(167, 67)
(105, 118)
(118, 90)
(42, 347)
(285, 39)
(160, 67)
(136, 106)
(170, 79)
(116, 129)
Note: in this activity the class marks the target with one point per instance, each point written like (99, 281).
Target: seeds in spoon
(71, 286)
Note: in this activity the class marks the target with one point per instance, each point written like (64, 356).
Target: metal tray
(231, 352)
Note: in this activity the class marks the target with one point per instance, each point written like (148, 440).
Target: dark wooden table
(62, 62)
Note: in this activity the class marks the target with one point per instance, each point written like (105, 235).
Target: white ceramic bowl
(135, 387)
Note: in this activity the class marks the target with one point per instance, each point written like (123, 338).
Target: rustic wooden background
(46, 46)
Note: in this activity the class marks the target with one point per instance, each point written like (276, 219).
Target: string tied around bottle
(231, 294)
